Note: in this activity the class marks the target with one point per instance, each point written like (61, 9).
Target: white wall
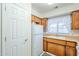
(64, 10)
(34, 12)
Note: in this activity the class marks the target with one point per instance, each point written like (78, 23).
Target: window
(60, 24)
(63, 28)
(54, 28)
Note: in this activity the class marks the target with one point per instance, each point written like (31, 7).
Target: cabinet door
(36, 19)
(70, 51)
(51, 48)
(75, 20)
(56, 49)
(44, 45)
(33, 18)
(60, 50)
(44, 23)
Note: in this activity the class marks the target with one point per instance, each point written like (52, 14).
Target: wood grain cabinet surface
(59, 47)
(71, 48)
(44, 45)
(44, 23)
(75, 20)
(33, 18)
(36, 19)
(40, 21)
(56, 49)
(70, 51)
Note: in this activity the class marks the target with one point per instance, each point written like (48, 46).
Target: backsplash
(75, 32)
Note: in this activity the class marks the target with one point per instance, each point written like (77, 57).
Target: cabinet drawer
(57, 41)
(72, 44)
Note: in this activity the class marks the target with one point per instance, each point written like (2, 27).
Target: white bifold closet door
(16, 25)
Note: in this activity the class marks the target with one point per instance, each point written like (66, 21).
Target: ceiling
(44, 7)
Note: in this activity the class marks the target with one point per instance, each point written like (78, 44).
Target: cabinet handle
(37, 22)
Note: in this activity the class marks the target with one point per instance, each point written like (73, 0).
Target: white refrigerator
(37, 39)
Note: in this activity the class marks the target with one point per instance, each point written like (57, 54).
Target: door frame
(0, 29)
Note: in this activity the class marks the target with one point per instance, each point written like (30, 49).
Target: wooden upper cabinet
(75, 20)
(36, 19)
(33, 18)
(40, 21)
(44, 23)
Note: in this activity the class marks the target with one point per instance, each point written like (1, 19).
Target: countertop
(67, 38)
(56, 37)
(72, 33)
(72, 36)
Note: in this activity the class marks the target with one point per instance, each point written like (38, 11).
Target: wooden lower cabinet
(59, 47)
(71, 48)
(51, 48)
(70, 51)
(60, 50)
(56, 49)
(44, 45)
